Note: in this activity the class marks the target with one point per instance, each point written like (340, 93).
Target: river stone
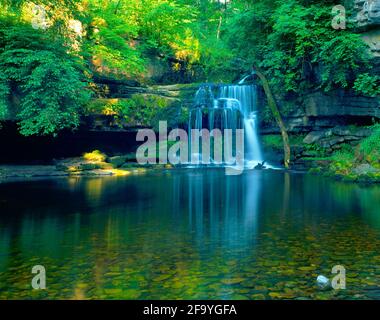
(323, 282)
(232, 281)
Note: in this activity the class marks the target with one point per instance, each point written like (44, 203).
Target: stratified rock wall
(367, 12)
(367, 19)
(320, 110)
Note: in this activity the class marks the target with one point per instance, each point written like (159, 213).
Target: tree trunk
(219, 27)
(276, 113)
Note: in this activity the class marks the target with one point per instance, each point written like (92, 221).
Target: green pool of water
(189, 234)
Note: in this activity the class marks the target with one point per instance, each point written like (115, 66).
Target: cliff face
(367, 12)
(320, 110)
(367, 19)
(155, 103)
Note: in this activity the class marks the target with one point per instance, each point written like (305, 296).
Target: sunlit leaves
(48, 90)
(294, 42)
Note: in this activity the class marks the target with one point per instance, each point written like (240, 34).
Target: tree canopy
(50, 51)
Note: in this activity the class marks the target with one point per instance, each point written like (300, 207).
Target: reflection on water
(189, 234)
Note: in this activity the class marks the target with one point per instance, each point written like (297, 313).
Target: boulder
(323, 282)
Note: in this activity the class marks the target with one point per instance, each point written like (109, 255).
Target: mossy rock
(94, 166)
(75, 165)
(117, 161)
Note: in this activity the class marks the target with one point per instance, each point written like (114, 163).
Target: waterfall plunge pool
(189, 234)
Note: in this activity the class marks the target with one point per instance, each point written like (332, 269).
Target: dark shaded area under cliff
(17, 149)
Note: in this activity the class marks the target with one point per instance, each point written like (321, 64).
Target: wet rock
(260, 166)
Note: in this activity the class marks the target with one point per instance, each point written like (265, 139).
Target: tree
(295, 50)
(42, 84)
(276, 113)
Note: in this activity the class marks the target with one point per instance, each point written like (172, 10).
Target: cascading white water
(230, 107)
(247, 97)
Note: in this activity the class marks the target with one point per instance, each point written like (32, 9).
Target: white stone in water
(322, 281)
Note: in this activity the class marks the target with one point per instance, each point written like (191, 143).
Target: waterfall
(247, 97)
(227, 107)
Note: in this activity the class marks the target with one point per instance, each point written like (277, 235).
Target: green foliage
(140, 110)
(148, 110)
(109, 38)
(123, 34)
(4, 93)
(95, 156)
(274, 141)
(345, 154)
(359, 164)
(293, 41)
(44, 74)
(370, 147)
(43, 81)
(367, 85)
(47, 87)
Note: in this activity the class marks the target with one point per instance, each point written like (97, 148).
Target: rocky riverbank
(89, 165)
(25, 172)
(348, 153)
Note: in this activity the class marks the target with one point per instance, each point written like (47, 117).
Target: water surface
(189, 234)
